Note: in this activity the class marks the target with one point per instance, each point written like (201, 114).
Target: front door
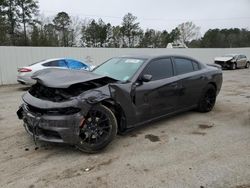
(160, 95)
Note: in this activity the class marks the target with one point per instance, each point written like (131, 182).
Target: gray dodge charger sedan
(88, 109)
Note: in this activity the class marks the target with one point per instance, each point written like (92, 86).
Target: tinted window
(196, 66)
(183, 65)
(160, 69)
(75, 64)
(58, 63)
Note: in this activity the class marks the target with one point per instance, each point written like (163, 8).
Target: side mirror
(146, 77)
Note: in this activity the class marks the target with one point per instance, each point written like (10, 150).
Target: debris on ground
(87, 169)
(152, 138)
(206, 126)
(199, 133)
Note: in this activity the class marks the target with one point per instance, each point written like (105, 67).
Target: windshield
(119, 68)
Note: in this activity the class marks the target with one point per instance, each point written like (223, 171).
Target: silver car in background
(232, 61)
(25, 73)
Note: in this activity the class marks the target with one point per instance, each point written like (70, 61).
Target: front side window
(183, 66)
(160, 69)
(120, 68)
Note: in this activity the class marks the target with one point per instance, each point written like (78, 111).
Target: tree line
(22, 25)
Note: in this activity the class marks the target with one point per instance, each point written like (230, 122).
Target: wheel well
(213, 84)
(118, 112)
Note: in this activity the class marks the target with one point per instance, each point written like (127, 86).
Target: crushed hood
(223, 58)
(63, 78)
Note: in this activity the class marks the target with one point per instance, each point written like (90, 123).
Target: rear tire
(247, 65)
(233, 66)
(99, 129)
(208, 99)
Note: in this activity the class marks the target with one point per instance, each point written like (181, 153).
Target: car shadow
(66, 149)
(157, 122)
(23, 88)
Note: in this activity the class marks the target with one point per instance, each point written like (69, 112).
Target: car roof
(149, 57)
(54, 59)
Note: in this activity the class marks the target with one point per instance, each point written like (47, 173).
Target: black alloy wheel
(98, 129)
(208, 99)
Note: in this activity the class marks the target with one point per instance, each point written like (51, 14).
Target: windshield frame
(126, 57)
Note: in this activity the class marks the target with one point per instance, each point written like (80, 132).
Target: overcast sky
(158, 14)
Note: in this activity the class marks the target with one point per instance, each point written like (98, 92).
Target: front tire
(98, 130)
(233, 66)
(208, 99)
(247, 65)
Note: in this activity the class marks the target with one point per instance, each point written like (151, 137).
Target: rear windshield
(37, 62)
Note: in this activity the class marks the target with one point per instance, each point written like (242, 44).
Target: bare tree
(75, 31)
(188, 31)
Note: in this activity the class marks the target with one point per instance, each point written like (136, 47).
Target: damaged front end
(57, 114)
(225, 62)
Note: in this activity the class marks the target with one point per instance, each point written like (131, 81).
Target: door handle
(174, 85)
(202, 77)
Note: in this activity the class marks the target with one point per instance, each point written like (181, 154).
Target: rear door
(192, 80)
(240, 61)
(244, 60)
(160, 95)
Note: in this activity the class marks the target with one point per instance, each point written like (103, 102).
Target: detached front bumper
(59, 122)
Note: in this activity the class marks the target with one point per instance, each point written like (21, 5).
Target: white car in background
(25, 73)
(232, 61)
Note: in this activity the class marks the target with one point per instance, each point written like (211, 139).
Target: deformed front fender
(119, 93)
(95, 95)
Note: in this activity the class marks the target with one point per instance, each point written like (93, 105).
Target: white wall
(13, 57)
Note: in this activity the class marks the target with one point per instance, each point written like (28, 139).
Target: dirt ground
(189, 150)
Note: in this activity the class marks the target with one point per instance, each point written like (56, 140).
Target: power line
(152, 19)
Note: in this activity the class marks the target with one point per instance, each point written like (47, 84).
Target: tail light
(24, 70)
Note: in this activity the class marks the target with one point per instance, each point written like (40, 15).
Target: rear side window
(184, 65)
(196, 66)
(160, 69)
(58, 63)
(75, 64)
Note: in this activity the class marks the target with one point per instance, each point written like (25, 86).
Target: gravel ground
(188, 150)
